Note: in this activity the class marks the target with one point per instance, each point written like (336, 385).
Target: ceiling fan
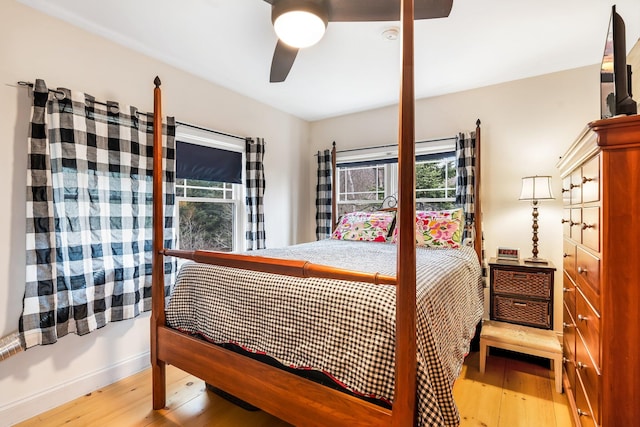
(308, 19)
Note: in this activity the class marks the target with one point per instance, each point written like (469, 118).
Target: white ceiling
(353, 68)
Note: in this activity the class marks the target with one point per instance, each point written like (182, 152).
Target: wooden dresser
(601, 273)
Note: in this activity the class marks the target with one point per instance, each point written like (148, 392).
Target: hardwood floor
(511, 393)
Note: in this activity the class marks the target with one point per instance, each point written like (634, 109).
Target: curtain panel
(89, 214)
(466, 170)
(465, 189)
(323, 196)
(255, 186)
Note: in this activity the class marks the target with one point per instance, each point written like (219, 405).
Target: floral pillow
(439, 229)
(366, 226)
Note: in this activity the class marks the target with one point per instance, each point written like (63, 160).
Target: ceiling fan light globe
(299, 28)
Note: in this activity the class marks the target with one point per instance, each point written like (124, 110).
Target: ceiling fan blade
(385, 10)
(283, 58)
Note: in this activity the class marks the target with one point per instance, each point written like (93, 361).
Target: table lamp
(534, 189)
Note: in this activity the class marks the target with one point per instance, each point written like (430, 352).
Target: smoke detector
(391, 33)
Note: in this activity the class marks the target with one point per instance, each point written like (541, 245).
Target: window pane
(436, 183)
(206, 225)
(206, 189)
(361, 183)
(204, 192)
(430, 175)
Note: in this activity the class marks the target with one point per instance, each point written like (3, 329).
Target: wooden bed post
(477, 209)
(157, 287)
(404, 401)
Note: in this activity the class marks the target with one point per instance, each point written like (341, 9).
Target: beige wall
(526, 126)
(33, 45)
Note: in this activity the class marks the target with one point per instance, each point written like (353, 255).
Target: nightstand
(522, 313)
(521, 293)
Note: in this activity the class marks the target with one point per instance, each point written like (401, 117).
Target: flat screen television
(615, 74)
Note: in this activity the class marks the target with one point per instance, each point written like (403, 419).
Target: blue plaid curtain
(89, 214)
(323, 196)
(255, 185)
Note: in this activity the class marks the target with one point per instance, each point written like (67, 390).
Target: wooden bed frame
(285, 395)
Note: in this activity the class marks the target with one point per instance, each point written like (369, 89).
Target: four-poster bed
(288, 396)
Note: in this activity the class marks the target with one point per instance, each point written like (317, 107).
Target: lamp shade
(299, 23)
(536, 188)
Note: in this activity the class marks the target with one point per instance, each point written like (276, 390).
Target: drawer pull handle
(571, 223)
(565, 255)
(572, 186)
(581, 365)
(564, 190)
(585, 226)
(582, 413)
(565, 220)
(519, 304)
(585, 179)
(520, 275)
(568, 325)
(566, 290)
(582, 318)
(582, 270)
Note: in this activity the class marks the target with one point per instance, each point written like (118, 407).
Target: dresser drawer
(589, 376)
(568, 363)
(569, 294)
(591, 228)
(591, 180)
(588, 324)
(569, 345)
(584, 411)
(511, 282)
(522, 311)
(575, 232)
(569, 258)
(588, 276)
(566, 222)
(566, 190)
(576, 187)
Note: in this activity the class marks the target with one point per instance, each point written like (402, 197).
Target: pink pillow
(366, 226)
(438, 229)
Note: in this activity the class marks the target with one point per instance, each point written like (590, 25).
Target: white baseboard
(40, 402)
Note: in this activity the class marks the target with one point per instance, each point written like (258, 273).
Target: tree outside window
(207, 215)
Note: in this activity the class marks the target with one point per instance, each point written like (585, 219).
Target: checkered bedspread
(344, 329)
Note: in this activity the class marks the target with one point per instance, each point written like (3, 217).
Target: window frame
(193, 135)
(385, 153)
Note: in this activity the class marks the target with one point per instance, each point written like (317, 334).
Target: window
(364, 182)
(361, 187)
(207, 215)
(209, 192)
(436, 183)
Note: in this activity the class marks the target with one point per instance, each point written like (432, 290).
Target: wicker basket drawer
(536, 285)
(522, 311)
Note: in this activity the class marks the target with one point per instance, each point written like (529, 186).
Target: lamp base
(536, 260)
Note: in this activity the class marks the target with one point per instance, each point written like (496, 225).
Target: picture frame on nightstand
(504, 253)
